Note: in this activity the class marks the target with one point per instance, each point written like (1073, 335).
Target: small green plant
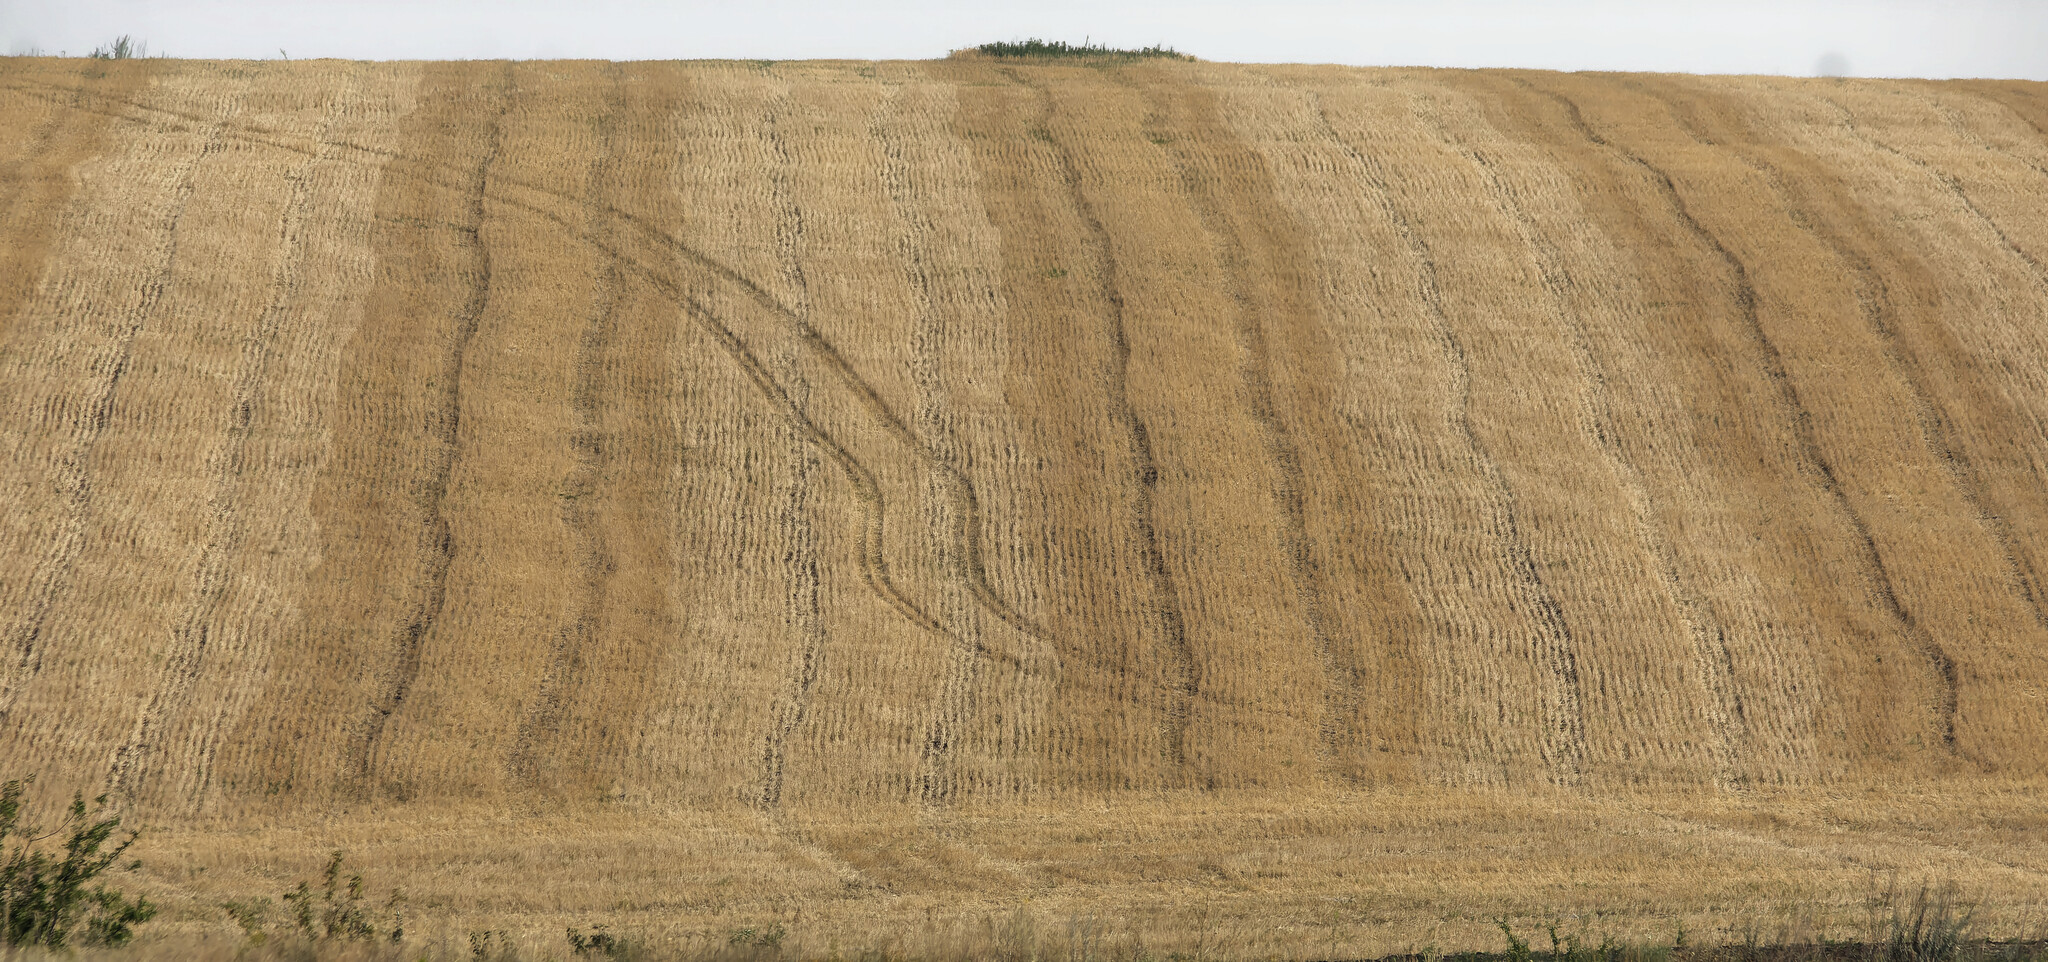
(763, 938)
(338, 912)
(1648, 953)
(598, 942)
(1518, 947)
(486, 945)
(1565, 947)
(332, 913)
(1035, 48)
(44, 899)
(124, 47)
(251, 917)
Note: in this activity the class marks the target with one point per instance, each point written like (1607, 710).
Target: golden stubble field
(1319, 506)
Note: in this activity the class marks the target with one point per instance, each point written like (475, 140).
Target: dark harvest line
(800, 558)
(1874, 298)
(1565, 744)
(594, 560)
(1703, 625)
(1296, 543)
(1187, 685)
(193, 635)
(405, 165)
(446, 427)
(2021, 568)
(1773, 364)
(75, 472)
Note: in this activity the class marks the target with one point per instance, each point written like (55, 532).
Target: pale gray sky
(1896, 38)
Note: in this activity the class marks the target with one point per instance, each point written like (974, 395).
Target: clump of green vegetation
(332, 913)
(1930, 925)
(761, 938)
(45, 899)
(124, 47)
(1518, 947)
(1049, 49)
(599, 943)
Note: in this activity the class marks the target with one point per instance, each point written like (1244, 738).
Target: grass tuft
(1932, 924)
(124, 47)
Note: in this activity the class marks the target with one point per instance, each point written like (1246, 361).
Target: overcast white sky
(1896, 38)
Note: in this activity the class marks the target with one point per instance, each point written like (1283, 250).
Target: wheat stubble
(932, 486)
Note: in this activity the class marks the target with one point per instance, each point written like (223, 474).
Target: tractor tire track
(445, 427)
(803, 605)
(501, 190)
(1227, 242)
(1185, 678)
(589, 442)
(937, 782)
(1563, 750)
(1705, 630)
(22, 643)
(1772, 361)
(866, 489)
(193, 634)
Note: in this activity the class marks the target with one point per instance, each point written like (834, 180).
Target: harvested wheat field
(1319, 508)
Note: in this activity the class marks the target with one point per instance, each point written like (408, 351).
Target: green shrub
(338, 914)
(1059, 48)
(44, 899)
(249, 916)
(124, 47)
(598, 942)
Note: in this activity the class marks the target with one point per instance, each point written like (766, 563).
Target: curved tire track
(506, 190)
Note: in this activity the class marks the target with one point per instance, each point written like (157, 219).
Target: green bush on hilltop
(1036, 48)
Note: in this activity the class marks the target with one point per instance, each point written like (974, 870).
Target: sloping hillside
(767, 436)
